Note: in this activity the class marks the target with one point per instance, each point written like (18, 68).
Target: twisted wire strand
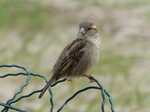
(8, 105)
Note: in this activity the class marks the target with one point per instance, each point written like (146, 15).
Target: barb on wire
(7, 106)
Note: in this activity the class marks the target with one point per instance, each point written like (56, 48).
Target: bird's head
(87, 30)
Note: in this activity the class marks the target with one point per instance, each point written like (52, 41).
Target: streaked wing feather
(75, 54)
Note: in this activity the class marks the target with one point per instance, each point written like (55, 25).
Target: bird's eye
(89, 28)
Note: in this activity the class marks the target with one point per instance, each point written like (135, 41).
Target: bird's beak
(82, 30)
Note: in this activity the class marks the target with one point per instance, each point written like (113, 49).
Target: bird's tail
(46, 87)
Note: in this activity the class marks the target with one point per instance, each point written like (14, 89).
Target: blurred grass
(33, 33)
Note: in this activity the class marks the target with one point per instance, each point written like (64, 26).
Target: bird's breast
(94, 50)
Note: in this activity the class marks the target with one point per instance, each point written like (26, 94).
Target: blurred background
(34, 32)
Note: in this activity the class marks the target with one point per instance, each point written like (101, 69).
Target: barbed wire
(7, 106)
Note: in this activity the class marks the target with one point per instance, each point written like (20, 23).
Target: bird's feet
(70, 80)
(89, 77)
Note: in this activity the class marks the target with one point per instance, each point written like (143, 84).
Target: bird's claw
(89, 77)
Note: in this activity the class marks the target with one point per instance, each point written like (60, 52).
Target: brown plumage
(78, 57)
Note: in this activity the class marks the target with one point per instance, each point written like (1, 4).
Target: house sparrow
(78, 57)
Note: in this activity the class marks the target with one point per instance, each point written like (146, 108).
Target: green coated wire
(7, 106)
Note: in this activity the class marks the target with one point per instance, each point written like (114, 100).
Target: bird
(78, 57)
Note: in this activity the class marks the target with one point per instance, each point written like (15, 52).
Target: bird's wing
(74, 52)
